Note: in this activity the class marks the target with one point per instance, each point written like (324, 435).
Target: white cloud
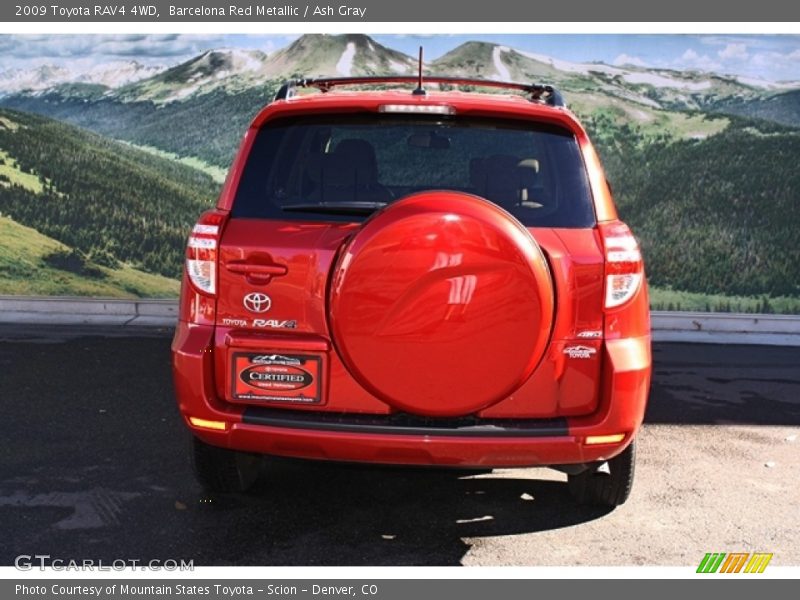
(85, 51)
(773, 58)
(627, 59)
(752, 41)
(765, 62)
(64, 49)
(739, 58)
(692, 60)
(734, 51)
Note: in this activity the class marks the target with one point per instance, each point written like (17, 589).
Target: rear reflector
(620, 288)
(614, 438)
(206, 424)
(424, 109)
(624, 267)
(202, 274)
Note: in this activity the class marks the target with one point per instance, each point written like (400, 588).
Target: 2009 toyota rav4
(416, 278)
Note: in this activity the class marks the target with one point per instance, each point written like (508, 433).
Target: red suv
(417, 278)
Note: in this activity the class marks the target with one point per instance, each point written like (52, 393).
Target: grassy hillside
(110, 202)
(25, 268)
(216, 173)
(12, 174)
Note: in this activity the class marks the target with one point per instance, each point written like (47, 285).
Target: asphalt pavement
(94, 464)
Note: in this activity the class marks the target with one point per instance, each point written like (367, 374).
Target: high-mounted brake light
(424, 109)
(201, 252)
(624, 267)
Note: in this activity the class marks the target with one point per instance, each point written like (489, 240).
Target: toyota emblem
(257, 302)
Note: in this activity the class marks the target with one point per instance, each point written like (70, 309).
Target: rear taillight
(201, 252)
(624, 267)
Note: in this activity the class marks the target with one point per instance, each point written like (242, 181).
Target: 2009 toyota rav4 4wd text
(416, 278)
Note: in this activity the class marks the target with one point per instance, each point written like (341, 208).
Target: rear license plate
(276, 377)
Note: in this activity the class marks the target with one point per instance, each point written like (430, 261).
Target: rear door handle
(256, 273)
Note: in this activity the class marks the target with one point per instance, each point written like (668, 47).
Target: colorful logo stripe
(758, 563)
(734, 562)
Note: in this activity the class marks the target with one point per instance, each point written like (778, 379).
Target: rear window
(343, 167)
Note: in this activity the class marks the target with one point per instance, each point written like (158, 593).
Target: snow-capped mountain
(39, 78)
(223, 67)
(648, 87)
(111, 74)
(631, 92)
(338, 56)
(116, 73)
(235, 70)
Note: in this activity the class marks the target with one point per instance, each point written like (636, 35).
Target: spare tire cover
(441, 304)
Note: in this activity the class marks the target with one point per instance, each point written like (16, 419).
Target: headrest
(352, 162)
(358, 158)
(502, 177)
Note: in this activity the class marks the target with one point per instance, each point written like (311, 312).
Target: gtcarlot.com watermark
(29, 562)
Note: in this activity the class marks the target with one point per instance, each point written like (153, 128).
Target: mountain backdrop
(703, 165)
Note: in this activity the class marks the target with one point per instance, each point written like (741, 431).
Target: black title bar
(449, 11)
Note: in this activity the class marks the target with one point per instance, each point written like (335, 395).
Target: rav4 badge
(275, 323)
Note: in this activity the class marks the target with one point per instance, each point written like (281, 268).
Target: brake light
(420, 109)
(624, 267)
(201, 252)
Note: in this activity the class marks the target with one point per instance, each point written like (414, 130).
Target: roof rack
(537, 92)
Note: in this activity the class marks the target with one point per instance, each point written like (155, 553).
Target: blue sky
(770, 57)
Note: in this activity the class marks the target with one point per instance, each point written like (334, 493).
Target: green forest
(714, 215)
(105, 200)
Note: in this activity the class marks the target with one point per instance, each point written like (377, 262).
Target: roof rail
(537, 92)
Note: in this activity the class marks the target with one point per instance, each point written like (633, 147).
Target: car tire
(224, 471)
(595, 487)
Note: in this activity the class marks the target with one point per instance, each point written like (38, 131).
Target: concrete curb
(694, 327)
(726, 328)
(87, 311)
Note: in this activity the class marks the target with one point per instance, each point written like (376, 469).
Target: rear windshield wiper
(336, 208)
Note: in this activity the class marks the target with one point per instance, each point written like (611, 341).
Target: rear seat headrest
(352, 162)
(503, 177)
(354, 155)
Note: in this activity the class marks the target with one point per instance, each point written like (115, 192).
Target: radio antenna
(420, 91)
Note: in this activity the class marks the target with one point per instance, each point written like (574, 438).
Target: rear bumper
(405, 449)
(381, 439)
